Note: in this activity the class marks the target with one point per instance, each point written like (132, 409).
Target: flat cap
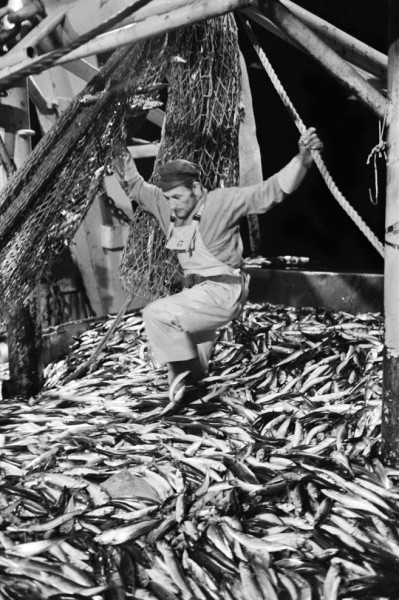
(177, 172)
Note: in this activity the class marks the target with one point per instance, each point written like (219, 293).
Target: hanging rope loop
(342, 201)
(378, 153)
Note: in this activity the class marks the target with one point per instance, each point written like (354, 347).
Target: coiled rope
(342, 201)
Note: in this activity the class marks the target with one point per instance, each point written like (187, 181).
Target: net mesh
(202, 125)
(43, 204)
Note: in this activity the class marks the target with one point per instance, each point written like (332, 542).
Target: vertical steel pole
(390, 405)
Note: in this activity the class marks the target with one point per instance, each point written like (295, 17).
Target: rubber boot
(204, 354)
(194, 365)
(190, 382)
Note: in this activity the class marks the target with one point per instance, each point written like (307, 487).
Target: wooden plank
(89, 256)
(156, 25)
(98, 266)
(250, 157)
(41, 103)
(325, 56)
(144, 151)
(24, 338)
(82, 68)
(156, 116)
(368, 62)
(57, 87)
(249, 154)
(86, 25)
(390, 412)
(24, 327)
(347, 46)
(84, 15)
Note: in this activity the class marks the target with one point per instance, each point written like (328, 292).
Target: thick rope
(350, 211)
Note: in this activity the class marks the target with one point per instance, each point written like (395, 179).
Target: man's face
(182, 201)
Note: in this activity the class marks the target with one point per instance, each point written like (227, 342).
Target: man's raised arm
(291, 176)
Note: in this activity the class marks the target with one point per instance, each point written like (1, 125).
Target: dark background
(311, 223)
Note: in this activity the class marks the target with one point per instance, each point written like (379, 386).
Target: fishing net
(43, 204)
(201, 125)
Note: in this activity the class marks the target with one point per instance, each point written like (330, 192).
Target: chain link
(116, 211)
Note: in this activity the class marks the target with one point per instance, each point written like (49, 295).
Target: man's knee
(156, 311)
(149, 312)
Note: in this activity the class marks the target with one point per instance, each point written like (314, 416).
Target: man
(203, 227)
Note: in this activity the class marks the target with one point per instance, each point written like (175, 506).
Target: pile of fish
(267, 486)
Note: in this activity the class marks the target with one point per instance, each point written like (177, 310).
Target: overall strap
(196, 217)
(170, 228)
